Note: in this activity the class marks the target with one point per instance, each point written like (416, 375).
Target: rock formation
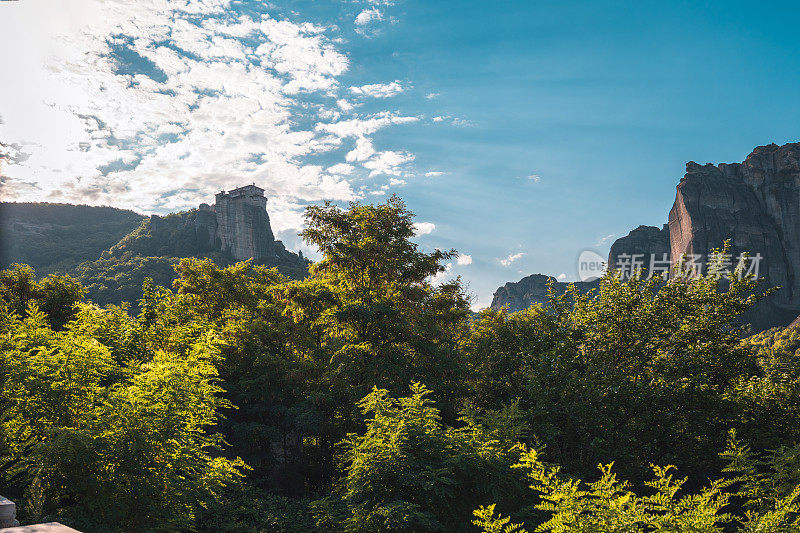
(754, 204)
(237, 226)
(531, 290)
(647, 242)
(243, 228)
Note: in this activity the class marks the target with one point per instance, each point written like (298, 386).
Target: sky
(520, 133)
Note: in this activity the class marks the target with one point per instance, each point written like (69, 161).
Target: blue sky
(521, 133)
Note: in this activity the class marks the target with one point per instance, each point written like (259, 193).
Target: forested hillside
(366, 398)
(111, 251)
(56, 237)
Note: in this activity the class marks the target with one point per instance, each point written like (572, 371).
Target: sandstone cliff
(242, 224)
(754, 204)
(645, 241)
(530, 290)
(235, 228)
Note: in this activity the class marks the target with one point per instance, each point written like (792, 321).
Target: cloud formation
(379, 90)
(368, 16)
(424, 228)
(511, 259)
(156, 105)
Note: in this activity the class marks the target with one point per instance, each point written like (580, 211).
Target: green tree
(111, 435)
(763, 495)
(640, 371)
(271, 371)
(410, 472)
(55, 295)
(388, 324)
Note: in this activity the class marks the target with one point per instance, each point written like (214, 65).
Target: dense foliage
(120, 279)
(177, 234)
(367, 397)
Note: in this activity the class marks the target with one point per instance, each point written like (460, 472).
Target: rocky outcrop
(237, 226)
(8, 513)
(243, 229)
(641, 245)
(533, 289)
(754, 204)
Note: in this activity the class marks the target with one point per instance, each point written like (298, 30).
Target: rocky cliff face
(530, 290)
(754, 204)
(236, 228)
(646, 242)
(242, 224)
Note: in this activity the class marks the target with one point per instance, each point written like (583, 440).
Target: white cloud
(362, 151)
(344, 105)
(213, 100)
(368, 16)
(378, 90)
(464, 259)
(562, 276)
(433, 174)
(462, 122)
(431, 96)
(535, 178)
(511, 259)
(341, 168)
(359, 127)
(439, 277)
(424, 228)
(388, 163)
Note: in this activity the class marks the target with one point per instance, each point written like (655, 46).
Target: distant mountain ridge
(112, 250)
(56, 237)
(754, 204)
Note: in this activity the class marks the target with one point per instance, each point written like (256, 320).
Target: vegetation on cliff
(174, 235)
(56, 237)
(365, 397)
(111, 251)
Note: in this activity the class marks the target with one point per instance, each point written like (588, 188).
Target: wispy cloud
(368, 16)
(605, 240)
(388, 163)
(379, 90)
(433, 174)
(535, 178)
(464, 259)
(508, 261)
